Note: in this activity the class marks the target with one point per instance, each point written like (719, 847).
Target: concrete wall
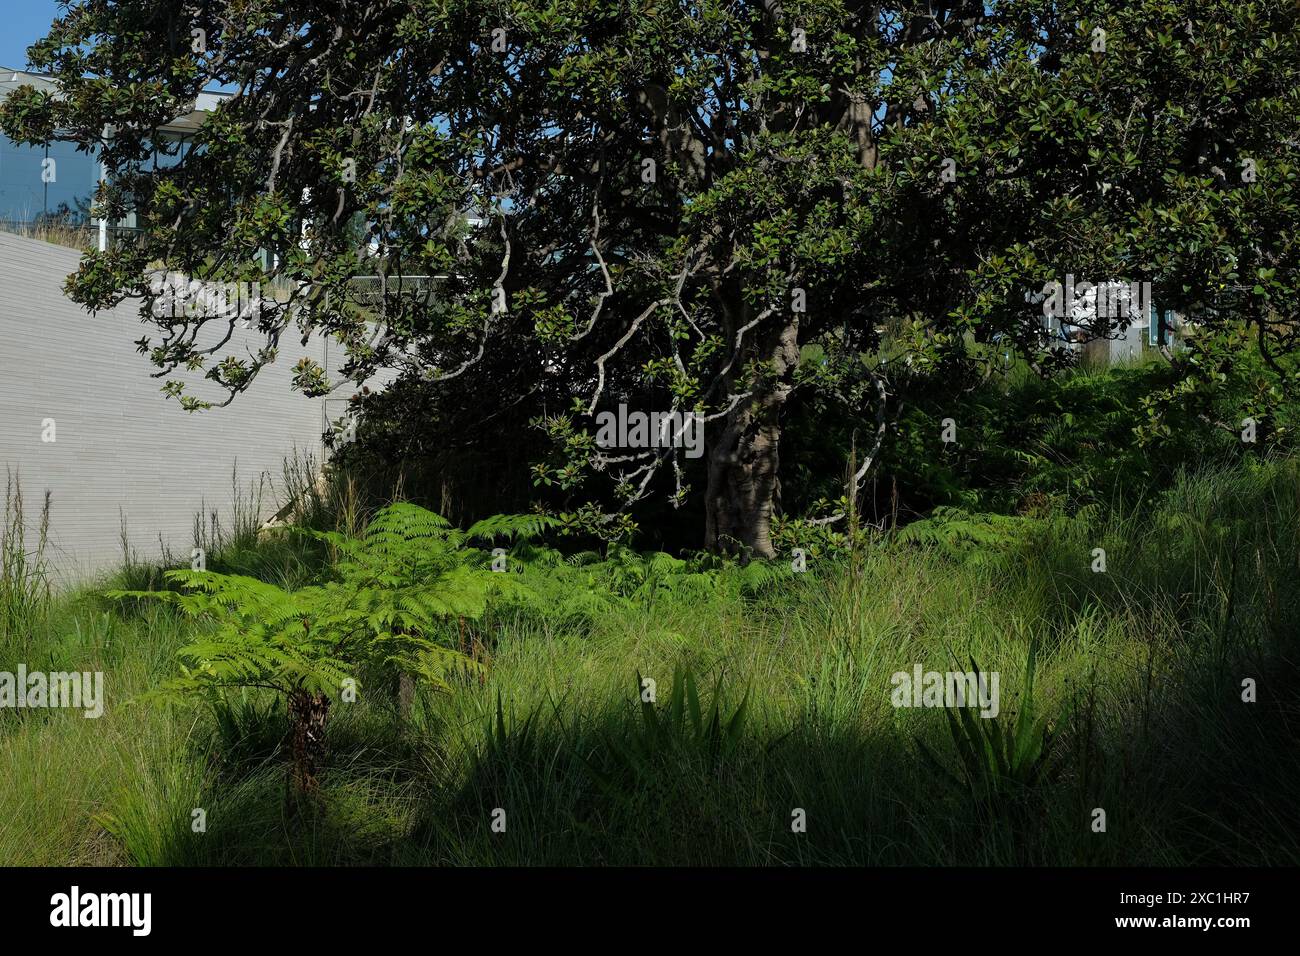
(120, 444)
(1120, 348)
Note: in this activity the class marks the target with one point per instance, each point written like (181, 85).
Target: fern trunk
(307, 715)
(405, 695)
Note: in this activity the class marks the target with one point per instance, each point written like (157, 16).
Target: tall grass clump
(56, 230)
(24, 570)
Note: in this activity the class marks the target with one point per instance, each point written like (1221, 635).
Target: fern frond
(511, 527)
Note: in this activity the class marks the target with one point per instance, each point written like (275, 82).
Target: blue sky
(24, 22)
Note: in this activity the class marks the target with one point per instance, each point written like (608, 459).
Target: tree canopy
(717, 207)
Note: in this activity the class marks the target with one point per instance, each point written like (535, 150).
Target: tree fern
(388, 603)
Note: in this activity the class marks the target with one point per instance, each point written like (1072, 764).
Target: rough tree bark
(307, 715)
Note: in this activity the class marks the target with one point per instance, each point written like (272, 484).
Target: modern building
(55, 184)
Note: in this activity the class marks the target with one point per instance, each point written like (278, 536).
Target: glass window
(69, 195)
(46, 182)
(22, 194)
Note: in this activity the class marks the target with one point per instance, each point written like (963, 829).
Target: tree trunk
(745, 457)
(405, 695)
(307, 714)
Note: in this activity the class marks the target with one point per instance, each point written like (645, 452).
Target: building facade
(82, 419)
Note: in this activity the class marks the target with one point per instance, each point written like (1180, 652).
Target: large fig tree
(710, 207)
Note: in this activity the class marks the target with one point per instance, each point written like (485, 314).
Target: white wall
(120, 442)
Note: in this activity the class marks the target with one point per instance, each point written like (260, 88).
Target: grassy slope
(1140, 668)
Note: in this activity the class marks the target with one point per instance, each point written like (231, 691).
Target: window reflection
(56, 182)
